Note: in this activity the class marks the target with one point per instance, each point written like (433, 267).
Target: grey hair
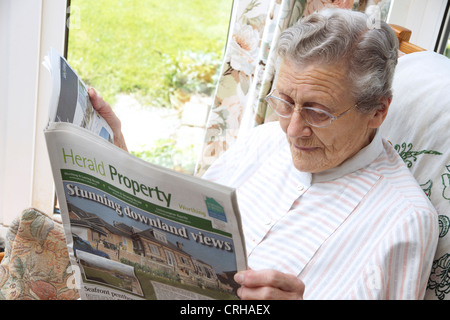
(345, 37)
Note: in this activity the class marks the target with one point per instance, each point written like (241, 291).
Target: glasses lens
(281, 107)
(313, 116)
(316, 117)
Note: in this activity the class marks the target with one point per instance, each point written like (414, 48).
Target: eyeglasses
(313, 116)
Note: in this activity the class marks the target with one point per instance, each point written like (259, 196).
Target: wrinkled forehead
(338, 68)
(293, 74)
(324, 83)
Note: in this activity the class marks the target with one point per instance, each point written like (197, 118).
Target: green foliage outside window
(125, 46)
(161, 52)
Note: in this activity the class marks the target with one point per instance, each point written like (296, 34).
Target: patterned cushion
(36, 263)
(418, 126)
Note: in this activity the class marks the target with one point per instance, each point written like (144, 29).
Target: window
(160, 236)
(185, 261)
(170, 258)
(155, 62)
(137, 247)
(154, 249)
(423, 17)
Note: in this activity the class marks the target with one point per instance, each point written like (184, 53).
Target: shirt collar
(362, 159)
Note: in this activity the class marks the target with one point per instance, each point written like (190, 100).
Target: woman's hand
(269, 285)
(105, 110)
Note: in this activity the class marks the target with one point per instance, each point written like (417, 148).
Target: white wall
(28, 28)
(422, 17)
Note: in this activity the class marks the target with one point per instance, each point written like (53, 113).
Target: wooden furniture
(404, 35)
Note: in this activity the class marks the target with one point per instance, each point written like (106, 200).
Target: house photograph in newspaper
(131, 250)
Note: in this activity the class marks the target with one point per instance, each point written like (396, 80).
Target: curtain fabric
(249, 63)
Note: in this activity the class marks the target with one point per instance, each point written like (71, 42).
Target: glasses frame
(331, 116)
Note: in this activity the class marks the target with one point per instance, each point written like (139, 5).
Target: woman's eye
(316, 114)
(284, 106)
(318, 107)
(287, 99)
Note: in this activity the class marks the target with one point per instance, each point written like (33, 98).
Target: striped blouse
(363, 230)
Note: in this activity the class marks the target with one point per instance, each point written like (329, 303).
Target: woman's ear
(380, 114)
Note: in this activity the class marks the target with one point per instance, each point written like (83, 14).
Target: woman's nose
(298, 127)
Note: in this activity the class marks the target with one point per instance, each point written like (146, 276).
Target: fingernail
(239, 277)
(238, 292)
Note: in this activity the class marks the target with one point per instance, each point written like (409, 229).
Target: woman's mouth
(304, 149)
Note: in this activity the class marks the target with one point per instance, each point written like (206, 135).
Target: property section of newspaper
(70, 101)
(139, 231)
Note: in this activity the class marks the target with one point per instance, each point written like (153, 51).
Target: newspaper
(70, 101)
(135, 230)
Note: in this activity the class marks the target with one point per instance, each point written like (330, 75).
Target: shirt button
(300, 188)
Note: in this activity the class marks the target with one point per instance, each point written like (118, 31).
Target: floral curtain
(248, 69)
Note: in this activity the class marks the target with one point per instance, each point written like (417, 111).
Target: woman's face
(324, 86)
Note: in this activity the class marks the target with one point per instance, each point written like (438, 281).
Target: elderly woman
(329, 209)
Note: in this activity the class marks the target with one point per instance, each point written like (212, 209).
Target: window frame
(444, 33)
(423, 17)
(29, 28)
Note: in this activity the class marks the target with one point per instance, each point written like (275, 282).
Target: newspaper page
(139, 231)
(70, 101)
